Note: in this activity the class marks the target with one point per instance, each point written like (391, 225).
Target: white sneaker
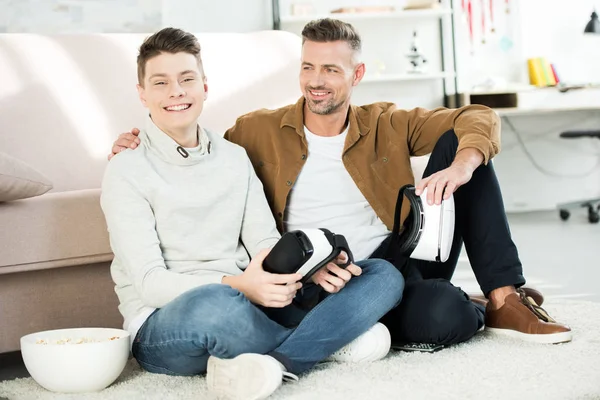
(373, 345)
(245, 377)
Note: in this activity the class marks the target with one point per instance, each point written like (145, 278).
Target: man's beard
(322, 108)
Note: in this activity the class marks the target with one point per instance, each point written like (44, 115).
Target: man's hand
(332, 278)
(445, 182)
(128, 140)
(264, 288)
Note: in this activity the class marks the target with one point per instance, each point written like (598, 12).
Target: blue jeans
(217, 320)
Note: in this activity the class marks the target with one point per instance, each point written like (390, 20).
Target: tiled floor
(559, 258)
(562, 259)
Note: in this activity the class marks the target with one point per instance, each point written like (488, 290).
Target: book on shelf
(421, 4)
(363, 9)
(541, 72)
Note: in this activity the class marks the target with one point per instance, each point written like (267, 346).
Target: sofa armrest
(418, 165)
(54, 230)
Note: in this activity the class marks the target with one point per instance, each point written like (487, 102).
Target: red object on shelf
(470, 14)
(493, 29)
(553, 68)
(482, 21)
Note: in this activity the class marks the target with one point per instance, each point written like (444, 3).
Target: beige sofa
(63, 100)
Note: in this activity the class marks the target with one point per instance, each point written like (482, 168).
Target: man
(325, 162)
(183, 212)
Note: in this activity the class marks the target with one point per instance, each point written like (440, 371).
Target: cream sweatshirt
(180, 218)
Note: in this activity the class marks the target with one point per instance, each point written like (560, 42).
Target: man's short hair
(331, 30)
(167, 40)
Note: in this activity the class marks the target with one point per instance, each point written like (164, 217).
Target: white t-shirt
(325, 196)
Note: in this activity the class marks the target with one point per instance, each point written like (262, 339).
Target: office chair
(593, 208)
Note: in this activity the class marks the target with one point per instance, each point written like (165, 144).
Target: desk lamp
(594, 25)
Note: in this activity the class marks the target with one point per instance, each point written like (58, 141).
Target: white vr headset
(428, 230)
(427, 235)
(305, 252)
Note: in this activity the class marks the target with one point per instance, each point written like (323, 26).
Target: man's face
(174, 90)
(327, 75)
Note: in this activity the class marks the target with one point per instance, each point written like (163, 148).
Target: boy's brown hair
(167, 40)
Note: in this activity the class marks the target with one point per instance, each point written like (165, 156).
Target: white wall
(541, 170)
(557, 33)
(218, 15)
(73, 16)
(534, 28)
(561, 170)
(489, 55)
(114, 16)
(546, 28)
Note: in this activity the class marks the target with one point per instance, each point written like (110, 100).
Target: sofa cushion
(18, 180)
(54, 230)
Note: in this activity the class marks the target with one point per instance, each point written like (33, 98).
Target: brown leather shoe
(520, 317)
(535, 295)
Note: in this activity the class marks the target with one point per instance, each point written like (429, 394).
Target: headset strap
(341, 244)
(338, 242)
(398, 211)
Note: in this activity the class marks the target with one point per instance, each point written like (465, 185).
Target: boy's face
(174, 90)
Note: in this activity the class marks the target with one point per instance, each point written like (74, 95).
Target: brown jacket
(381, 139)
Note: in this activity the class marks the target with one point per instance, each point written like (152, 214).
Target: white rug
(483, 368)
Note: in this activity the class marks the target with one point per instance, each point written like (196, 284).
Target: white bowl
(76, 368)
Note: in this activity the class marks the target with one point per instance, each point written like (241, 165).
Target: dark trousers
(432, 309)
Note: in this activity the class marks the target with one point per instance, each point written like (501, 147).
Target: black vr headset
(305, 252)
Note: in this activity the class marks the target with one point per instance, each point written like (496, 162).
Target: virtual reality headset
(428, 230)
(305, 252)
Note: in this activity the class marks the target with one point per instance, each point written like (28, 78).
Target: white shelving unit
(406, 77)
(352, 17)
(386, 42)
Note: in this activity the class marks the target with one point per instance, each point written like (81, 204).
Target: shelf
(402, 14)
(516, 111)
(406, 77)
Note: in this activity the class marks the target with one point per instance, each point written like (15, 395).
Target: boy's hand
(264, 288)
(332, 278)
(127, 140)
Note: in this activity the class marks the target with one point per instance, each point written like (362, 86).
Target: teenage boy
(190, 226)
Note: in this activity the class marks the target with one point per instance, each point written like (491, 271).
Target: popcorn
(74, 341)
